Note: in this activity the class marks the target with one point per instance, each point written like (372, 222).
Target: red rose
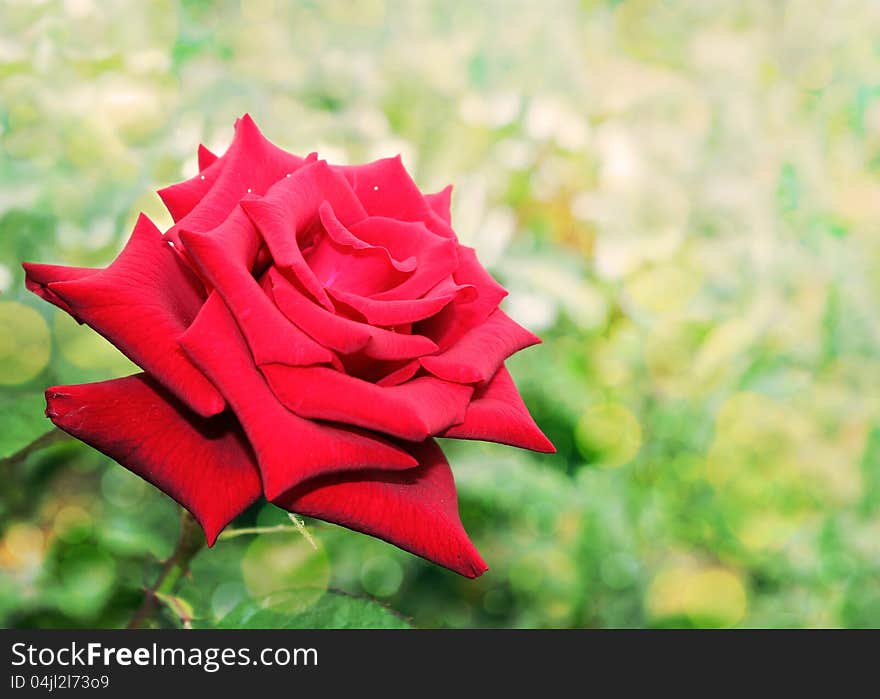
(304, 331)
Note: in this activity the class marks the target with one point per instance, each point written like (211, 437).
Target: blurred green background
(683, 199)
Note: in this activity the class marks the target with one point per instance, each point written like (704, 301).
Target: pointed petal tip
(246, 122)
(546, 447)
(56, 403)
(533, 440)
(474, 568)
(206, 157)
(144, 220)
(272, 487)
(211, 533)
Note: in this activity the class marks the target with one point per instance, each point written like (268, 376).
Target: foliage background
(682, 197)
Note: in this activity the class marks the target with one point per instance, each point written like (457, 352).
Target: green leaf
(22, 421)
(334, 610)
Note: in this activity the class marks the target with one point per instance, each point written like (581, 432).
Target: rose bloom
(305, 330)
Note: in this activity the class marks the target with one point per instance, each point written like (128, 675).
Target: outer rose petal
(251, 165)
(183, 197)
(207, 158)
(498, 414)
(39, 276)
(141, 303)
(416, 510)
(386, 189)
(441, 203)
(478, 354)
(289, 449)
(414, 410)
(204, 464)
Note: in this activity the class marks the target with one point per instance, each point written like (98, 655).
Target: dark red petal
(414, 410)
(251, 165)
(401, 374)
(480, 352)
(437, 256)
(141, 303)
(181, 198)
(343, 334)
(290, 208)
(497, 414)
(289, 448)
(205, 464)
(38, 277)
(386, 189)
(206, 157)
(440, 203)
(392, 312)
(456, 319)
(330, 330)
(225, 256)
(404, 311)
(416, 509)
(359, 272)
(342, 236)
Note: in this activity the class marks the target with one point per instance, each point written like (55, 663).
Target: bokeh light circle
(24, 343)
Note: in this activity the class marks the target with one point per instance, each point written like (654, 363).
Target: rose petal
(289, 448)
(389, 313)
(290, 209)
(343, 334)
(141, 303)
(341, 261)
(183, 197)
(497, 414)
(413, 410)
(39, 276)
(205, 464)
(437, 257)
(480, 352)
(206, 157)
(225, 256)
(416, 510)
(441, 203)
(251, 165)
(401, 374)
(456, 319)
(403, 311)
(344, 237)
(386, 189)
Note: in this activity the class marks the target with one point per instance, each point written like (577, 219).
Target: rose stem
(189, 543)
